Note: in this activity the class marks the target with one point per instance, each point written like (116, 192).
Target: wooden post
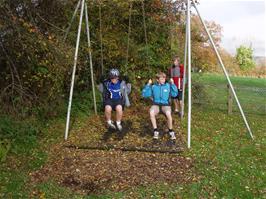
(229, 100)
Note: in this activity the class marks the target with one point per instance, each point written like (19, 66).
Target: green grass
(52, 191)
(24, 147)
(232, 165)
(236, 81)
(251, 92)
(12, 184)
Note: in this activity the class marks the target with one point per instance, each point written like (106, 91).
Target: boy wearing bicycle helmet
(115, 96)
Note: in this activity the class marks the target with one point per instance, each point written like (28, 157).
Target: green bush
(83, 102)
(16, 136)
(199, 91)
(244, 57)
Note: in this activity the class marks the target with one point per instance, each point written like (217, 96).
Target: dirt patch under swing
(94, 171)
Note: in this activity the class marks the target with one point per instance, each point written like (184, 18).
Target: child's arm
(147, 90)
(181, 70)
(100, 87)
(128, 85)
(182, 76)
(127, 91)
(174, 91)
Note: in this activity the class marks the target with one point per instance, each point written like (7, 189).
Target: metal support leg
(224, 70)
(74, 71)
(185, 73)
(91, 68)
(189, 75)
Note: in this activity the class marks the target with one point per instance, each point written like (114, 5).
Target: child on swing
(115, 93)
(161, 92)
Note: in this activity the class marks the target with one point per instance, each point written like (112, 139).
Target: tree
(203, 55)
(244, 57)
(36, 65)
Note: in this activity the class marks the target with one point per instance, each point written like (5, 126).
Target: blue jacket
(160, 93)
(125, 89)
(114, 90)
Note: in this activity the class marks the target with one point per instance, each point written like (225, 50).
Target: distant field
(213, 92)
(237, 81)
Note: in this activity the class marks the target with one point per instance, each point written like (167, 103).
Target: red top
(177, 74)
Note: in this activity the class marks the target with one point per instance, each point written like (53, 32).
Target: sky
(243, 22)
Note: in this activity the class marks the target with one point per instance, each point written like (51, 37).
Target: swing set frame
(187, 59)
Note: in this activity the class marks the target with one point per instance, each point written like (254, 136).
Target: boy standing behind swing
(115, 96)
(160, 92)
(177, 72)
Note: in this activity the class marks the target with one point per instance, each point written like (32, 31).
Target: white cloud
(243, 22)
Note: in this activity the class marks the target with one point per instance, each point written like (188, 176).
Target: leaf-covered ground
(137, 132)
(93, 171)
(223, 162)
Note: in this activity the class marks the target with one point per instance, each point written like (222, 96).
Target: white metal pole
(189, 75)
(72, 19)
(184, 73)
(91, 68)
(74, 70)
(224, 70)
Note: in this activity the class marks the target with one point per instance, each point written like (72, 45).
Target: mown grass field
(251, 92)
(227, 163)
(237, 81)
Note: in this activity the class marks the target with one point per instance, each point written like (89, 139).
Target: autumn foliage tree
(36, 64)
(244, 57)
(203, 55)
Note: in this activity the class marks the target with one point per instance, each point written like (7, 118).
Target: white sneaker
(111, 125)
(172, 135)
(119, 126)
(156, 135)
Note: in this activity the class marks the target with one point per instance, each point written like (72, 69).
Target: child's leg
(119, 113)
(167, 111)
(180, 105)
(108, 115)
(176, 104)
(154, 110)
(108, 112)
(180, 93)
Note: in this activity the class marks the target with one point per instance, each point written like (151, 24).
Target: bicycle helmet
(113, 73)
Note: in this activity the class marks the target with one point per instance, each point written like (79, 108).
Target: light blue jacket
(160, 93)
